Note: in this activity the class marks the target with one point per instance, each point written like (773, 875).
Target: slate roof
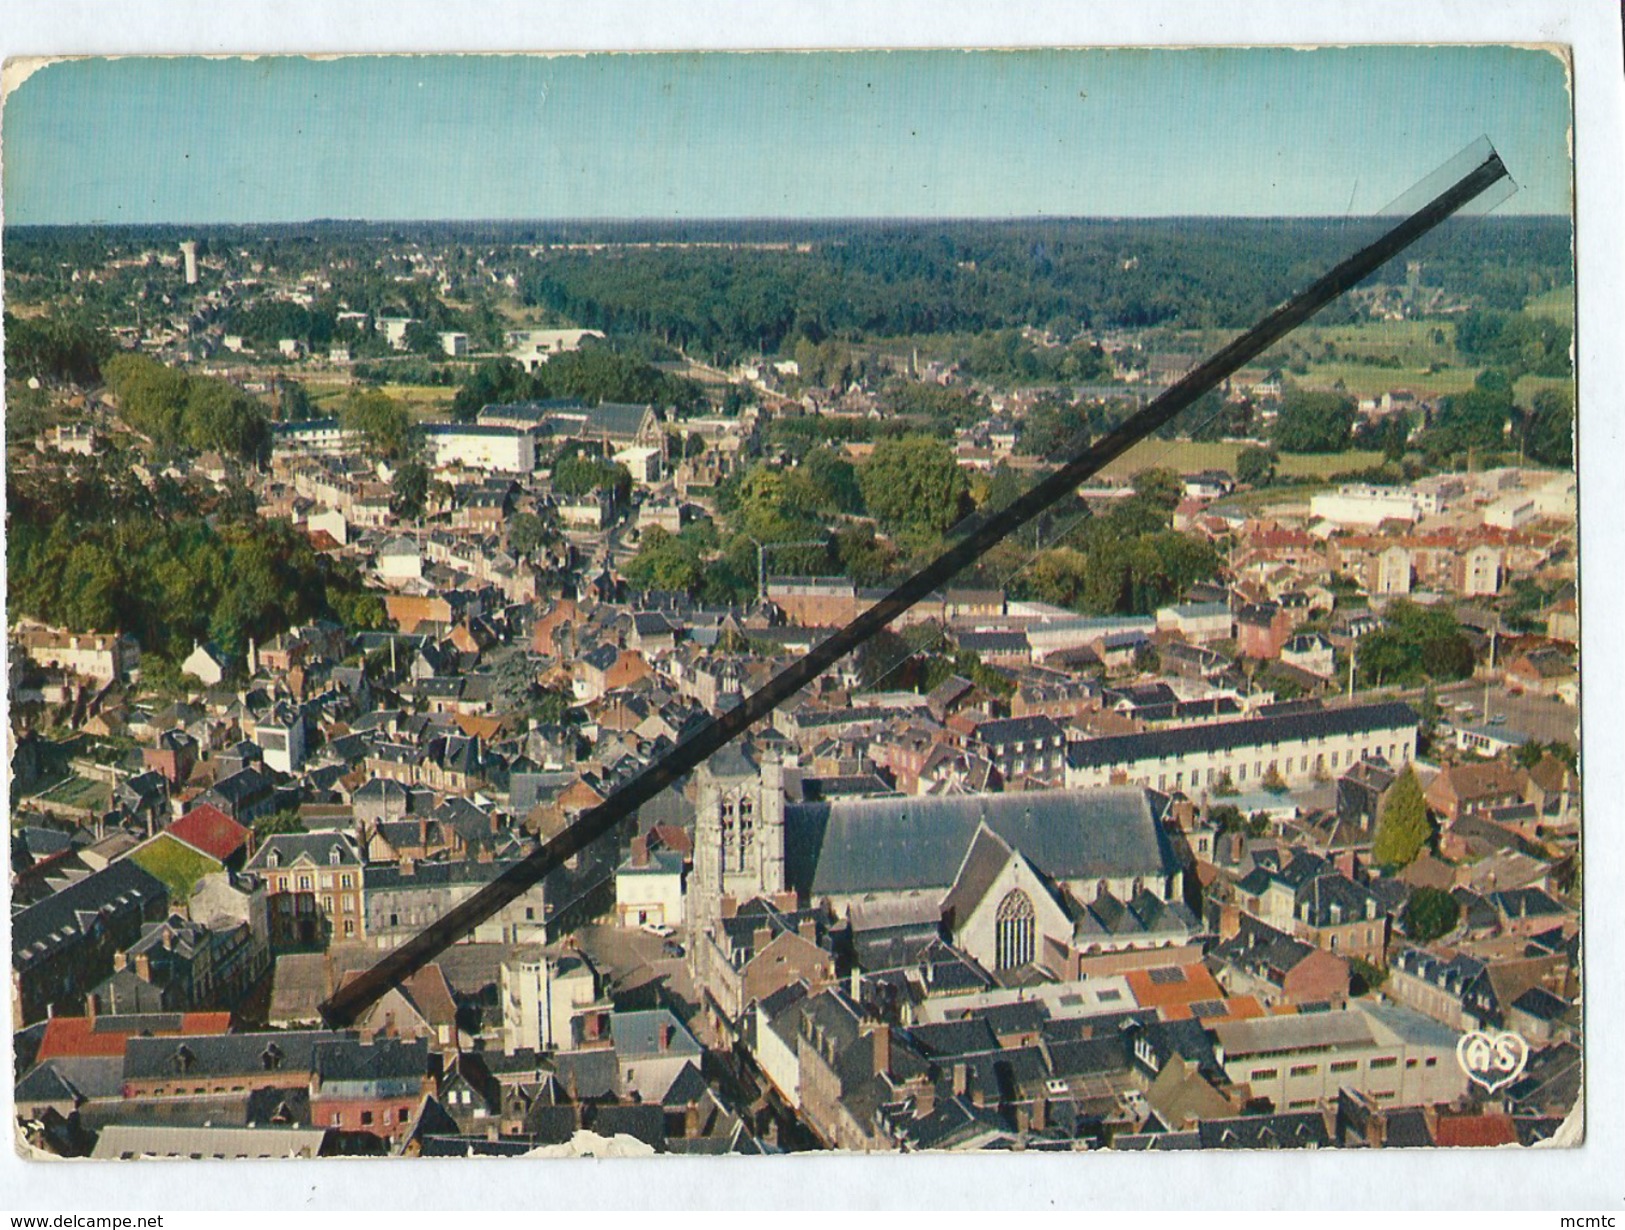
(1294, 1130)
(637, 1034)
(1003, 731)
(867, 845)
(317, 847)
(985, 859)
(62, 917)
(1249, 732)
(291, 1051)
(350, 1059)
(617, 418)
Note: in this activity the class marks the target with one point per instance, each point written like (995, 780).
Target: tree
(1403, 829)
(1256, 466)
(1476, 419)
(1429, 914)
(914, 483)
(284, 821)
(1548, 428)
(1160, 487)
(527, 532)
(1312, 422)
(409, 490)
(383, 423)
(835, 479)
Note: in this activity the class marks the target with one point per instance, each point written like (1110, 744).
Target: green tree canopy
(1256, 466)
(1403, 828)
(1429, 914)
(914, 483)
(1314, 422)
(384, 424)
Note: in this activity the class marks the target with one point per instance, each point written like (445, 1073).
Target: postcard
(709, 603)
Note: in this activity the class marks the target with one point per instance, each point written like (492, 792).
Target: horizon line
(743, 219)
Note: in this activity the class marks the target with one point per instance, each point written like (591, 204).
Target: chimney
(423, 831)
(925, 1101)
(665, 1036)
(855, 985)
(961, 1080)
(640, 852)
(408, 866)
(807, 928)
(882, 1049)
(1040, 1114)
(762, 937)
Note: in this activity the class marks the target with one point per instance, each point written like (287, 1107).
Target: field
(1361, 380)
(423, 401)
(1189, 456)
(1557, 304)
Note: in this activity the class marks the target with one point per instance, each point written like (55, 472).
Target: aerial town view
(359, 546)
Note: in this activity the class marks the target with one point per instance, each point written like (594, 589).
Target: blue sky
(1098, 132)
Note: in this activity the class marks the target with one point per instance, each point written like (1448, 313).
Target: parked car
(661, 929)
(1500, 719)
(671, 948)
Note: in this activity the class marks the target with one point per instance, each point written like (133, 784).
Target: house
(205, 663)
(541, 997)
(649, 886)
(404, 897)
(244, 796)
(375, 1086)
(756, 950)
(64, 944)
(1025, 747)
(418, 1007)
(1300, 747)
(1199, 623)
(479, 446)
(652, 1048)
(605, 669)
(1463, 789)
(315, 887)
(1383, 1051)
(1267, 963)
(1262, 628)
(1310, 652)
(1545, 672)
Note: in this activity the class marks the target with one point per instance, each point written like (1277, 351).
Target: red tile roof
(1475, 1131)
(102, 1036)
(210, 830)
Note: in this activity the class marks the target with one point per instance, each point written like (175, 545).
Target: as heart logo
(1492, 1060)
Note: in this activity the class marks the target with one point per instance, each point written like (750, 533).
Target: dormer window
(334, 855)
(274, 858)
(271, 1057)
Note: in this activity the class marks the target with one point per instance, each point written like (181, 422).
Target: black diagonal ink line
(349, 1000)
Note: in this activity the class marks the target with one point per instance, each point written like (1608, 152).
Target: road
(1539, 717)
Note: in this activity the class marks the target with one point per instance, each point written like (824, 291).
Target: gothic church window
(1013, 931)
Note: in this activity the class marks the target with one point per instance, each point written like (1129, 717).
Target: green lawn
(1360, 380)
(1558, 304)
(1416, 343)
(1189, 456)
(179, 866)
(79, 791)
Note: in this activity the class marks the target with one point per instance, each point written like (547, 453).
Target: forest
(95, 549)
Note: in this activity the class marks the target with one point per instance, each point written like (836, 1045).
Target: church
(1027, 881)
